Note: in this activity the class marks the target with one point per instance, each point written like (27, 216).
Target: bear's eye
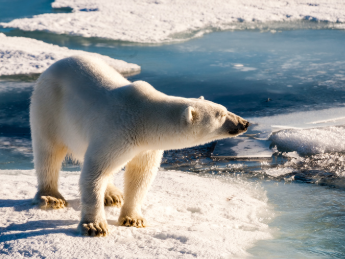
(194, 115)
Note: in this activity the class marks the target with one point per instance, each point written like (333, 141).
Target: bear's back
(87, 71)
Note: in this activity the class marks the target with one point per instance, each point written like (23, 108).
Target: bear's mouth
(241, 128)
(234, 132)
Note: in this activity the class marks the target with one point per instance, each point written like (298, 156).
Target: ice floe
(189, 216)
(155, 21)
(19, 55)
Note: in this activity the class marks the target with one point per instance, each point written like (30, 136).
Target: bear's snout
(242, 126)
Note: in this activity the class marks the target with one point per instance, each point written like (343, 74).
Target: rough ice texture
(19, 55)
(155, 21)
(189, 216)
(326, 165)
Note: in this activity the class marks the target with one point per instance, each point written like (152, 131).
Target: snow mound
(311, 141)
(155, 21)
(19, 55)
(206, 219)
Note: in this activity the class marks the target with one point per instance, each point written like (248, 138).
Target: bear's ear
(201, 98)
(189, 114)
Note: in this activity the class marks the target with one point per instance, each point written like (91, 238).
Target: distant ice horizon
(159, 21)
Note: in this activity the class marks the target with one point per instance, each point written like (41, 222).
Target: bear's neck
(163, 123)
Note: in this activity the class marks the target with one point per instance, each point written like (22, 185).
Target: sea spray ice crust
(19, 55)
(208, 219)
(163, 21)
(325, 169)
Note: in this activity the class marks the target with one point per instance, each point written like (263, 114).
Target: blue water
(9, 9)
(253, 74)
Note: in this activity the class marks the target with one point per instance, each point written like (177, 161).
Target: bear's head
(205, 121)
(172, 122)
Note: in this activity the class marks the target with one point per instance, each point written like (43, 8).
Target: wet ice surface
(243, 148)
(269, 78)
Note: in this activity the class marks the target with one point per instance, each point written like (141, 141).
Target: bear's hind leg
(113, 196)
(140, 173)
(48, 159)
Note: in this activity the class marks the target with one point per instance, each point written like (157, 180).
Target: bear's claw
(132, 222)
(49, 202)
(94, 229)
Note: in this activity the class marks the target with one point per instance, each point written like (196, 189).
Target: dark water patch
(14, 110)
(62, 10)
(89, 9)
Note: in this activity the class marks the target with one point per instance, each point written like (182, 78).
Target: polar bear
(82, 107)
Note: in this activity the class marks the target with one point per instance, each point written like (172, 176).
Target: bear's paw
(49, 202)
(113, 197)
(132, 222)
(94, 229)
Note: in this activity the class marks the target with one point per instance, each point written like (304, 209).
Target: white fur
(83, 107)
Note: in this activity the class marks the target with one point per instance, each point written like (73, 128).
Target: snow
(19, 55)
(156, 21)
(210, 218)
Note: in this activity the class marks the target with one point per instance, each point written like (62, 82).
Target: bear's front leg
(99, 164)
(140, 173)
(92, 188)
(93, 183)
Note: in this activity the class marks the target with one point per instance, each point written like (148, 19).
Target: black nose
(246, 125)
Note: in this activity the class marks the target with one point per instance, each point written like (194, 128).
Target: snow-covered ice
(19, 55)
(188, 216)
(155, 21)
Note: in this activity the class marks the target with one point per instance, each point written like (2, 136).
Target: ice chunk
(19, 55)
